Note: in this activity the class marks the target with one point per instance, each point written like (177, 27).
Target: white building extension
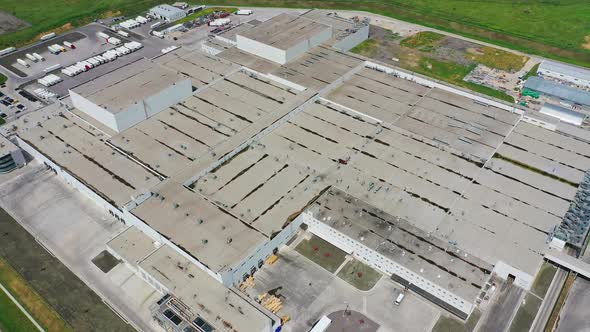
(167, 12)
(448, 277)
(561, 71)
(283, 38)
(149, 88)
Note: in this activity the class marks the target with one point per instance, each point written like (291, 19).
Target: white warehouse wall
(308, 44)
(100, 114)
(261, 50)
(175, 93)
(235, 276)
(353, 39)
(137, 112)
(383, 264)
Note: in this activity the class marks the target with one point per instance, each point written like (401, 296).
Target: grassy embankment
(42, 312)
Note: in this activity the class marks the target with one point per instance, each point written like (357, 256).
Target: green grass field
(359, 275)
(322, 253)
(3, 78)
(424, 41)
(555, 29)
(34, 304)
(205, 12)
(454, 73)
(12, 318)
(543, 279)
(47, 15)
(526, 314)
(449, 72)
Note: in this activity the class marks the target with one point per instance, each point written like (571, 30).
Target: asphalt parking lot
(9, 61)
(95, 45)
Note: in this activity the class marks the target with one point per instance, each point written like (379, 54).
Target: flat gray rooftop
(318, 68)
(180, 135)
(218, 305)
(200, 68)
(81, 149)
(213, 236)
(284, 31)
(137, 80)
(459, 272)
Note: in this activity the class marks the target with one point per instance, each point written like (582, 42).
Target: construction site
(223, 163)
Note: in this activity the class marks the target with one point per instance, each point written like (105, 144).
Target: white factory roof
(284, 31)
(563, 114)
(166, 10)
(128, 85)
(562, 68)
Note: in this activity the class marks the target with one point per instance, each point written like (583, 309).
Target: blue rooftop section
(558, 90)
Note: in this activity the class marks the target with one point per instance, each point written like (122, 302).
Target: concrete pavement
(73, 229)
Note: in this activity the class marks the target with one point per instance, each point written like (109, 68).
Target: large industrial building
(167, 12)
(566, 73)
(150, 88)
(226, 157)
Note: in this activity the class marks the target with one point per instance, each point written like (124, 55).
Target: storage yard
(261, 174)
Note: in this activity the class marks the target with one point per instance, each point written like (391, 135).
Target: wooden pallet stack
(270, 302)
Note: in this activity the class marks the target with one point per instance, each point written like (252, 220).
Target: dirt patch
(63, 28)
(111, 13)
(10, 23)
(586, 44)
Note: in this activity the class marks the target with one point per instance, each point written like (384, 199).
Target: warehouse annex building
(421, 181)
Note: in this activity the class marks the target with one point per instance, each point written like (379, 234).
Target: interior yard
(322, 253)
(359, 275)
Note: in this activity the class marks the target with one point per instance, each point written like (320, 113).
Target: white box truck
(31, 57)
(244, 12)
(39, 57)
(123, 33)
(70, 45)
(114, 41)
(22, 62)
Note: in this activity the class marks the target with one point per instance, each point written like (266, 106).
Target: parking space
(96, 46)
